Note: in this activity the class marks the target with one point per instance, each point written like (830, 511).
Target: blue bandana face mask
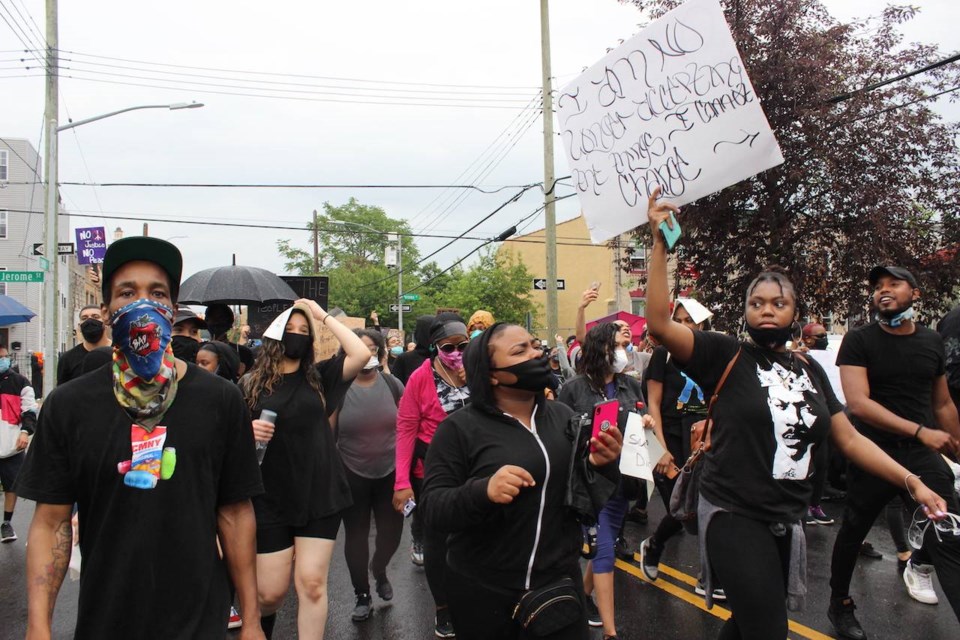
(142, 331)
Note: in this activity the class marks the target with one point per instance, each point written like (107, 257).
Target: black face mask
(185, 348)
(532, 375)
(770, 338)
(295, 345)
(91, 329)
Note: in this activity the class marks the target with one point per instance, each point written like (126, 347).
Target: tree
(499, 283)
(352, 241)
(870, 177)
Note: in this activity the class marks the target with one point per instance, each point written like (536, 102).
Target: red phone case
(604, 416)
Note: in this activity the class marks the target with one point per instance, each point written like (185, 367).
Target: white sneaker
(919, 581)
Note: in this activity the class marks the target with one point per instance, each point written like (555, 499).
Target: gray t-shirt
(367, 429)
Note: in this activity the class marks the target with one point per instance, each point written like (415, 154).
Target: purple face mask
(451, 360)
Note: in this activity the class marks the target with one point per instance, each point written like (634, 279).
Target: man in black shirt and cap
(93, 334)
(893, 377)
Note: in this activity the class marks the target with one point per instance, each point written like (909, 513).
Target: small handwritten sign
(641, 450)
(671, 107)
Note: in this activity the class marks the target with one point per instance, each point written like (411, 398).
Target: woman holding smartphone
(773, 412)
(604, 359)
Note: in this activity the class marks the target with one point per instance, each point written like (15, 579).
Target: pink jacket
(417, 418)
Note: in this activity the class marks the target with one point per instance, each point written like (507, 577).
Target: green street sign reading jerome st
(410, 297)
(21, 276)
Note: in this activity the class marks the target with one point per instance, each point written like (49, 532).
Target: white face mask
(372, 363)
(620, 361)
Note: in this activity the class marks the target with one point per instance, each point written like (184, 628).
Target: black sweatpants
(751, 563)
(434, 554)
(677, 436)
(481, 613)
(868, 495)
(370, 496)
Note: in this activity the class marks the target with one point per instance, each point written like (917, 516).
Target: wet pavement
(665, 610)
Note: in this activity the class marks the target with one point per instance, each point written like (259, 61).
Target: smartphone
(604, 416)
(408, 507)
(595, 285)
(670, 236)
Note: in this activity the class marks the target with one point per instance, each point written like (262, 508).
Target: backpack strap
(394, 389)
(708, 429)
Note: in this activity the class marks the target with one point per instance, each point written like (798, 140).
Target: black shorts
(9, 468)
(274, 534)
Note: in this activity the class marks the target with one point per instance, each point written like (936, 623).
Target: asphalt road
(666, 610)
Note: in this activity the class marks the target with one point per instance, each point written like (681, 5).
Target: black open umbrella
(234, 284)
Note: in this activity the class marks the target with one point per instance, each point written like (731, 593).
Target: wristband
(916, 435)
(907, 477)
(324, 321)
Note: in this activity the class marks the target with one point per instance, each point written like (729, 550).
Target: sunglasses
(450, 348)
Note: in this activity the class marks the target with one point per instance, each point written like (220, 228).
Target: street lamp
(50, 308)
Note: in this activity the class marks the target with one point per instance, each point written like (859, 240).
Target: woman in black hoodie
(496, 475)
(409, 361)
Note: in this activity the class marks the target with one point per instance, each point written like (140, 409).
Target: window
(638, 260)
(4, 165)
(3, 225)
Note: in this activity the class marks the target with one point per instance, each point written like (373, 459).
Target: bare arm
(654, 398)
(677, 338)
(856, 388)
(864, 453)
(237, 527)
(49, 545)
(357, 352)
(581, 329)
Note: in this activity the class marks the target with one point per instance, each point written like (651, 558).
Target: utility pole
(50, 307)
(146, 229)
(316, 245)
(549, 209)
(396, 237)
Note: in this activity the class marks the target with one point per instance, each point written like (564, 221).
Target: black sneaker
(846, 624)
(638, 515)
(444, 627)
(384, 589)
(650, 559)
(7, 534)
(593, 614)
(362, 611)
(621, 550)
(868, 551)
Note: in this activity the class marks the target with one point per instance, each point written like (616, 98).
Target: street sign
(541, 284)
(410, 297)
(397, 307)
(21, 276)
(63, 249)
(44, 264)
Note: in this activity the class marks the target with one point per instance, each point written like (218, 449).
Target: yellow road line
(698, 601)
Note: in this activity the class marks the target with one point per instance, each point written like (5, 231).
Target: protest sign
(671, 107)
(641, 451)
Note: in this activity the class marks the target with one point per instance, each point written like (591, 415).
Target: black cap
(184, 314)
(897, 272)
(160, 252)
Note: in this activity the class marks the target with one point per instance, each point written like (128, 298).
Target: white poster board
(671, 107)
(641, 450)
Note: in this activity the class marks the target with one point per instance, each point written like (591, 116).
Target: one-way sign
(397, 307)
(63, 249)
(541, 284)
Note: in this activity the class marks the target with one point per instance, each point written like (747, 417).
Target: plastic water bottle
(267, 416)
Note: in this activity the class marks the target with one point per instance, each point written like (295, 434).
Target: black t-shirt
(901, 371)
(772, 413)
(681, 394)
(150, 562)
(949, 328)
(302, 472)
(70, 364)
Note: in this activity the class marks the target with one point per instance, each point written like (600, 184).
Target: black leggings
(866, 497)
(434, 555)
(751, 563)
(481, 613)
(677, 436)
(376, 496)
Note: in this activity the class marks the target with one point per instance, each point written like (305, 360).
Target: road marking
(698, 601)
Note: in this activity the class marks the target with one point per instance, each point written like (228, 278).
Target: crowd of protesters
(242, 464)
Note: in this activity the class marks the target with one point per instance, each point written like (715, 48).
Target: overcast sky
(312, 73)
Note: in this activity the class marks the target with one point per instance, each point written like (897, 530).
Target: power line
(930, 67)
(225, 185)
(880, 112)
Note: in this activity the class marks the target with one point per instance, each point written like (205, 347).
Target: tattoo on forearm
(53, 572)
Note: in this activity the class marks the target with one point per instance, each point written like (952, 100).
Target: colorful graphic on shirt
(792, 420)
(689, 388)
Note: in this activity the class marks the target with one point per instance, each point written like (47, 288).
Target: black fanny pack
(541, 612)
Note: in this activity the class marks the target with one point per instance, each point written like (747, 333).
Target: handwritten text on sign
(671, 107)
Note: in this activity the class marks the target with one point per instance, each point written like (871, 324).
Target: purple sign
(91, 245)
